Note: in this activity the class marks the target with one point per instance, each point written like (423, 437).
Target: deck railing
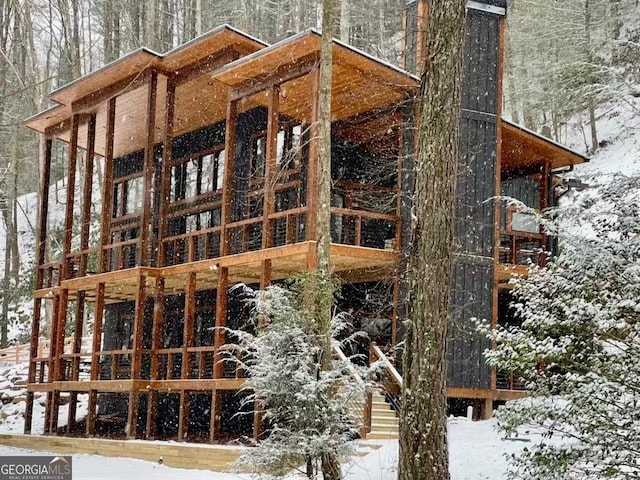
(521, 248)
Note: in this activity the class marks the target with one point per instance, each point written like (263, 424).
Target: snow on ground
(618, 127)
(477, 453)
(477, 450)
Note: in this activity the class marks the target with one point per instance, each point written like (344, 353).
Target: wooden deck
(193, 456)
(348, 262)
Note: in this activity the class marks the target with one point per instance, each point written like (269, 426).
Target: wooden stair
(384, 421)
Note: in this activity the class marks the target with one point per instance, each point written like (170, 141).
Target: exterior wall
(473, 282)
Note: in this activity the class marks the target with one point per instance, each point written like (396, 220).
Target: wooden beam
(85, 220)
(136, 361)
(205, 65)
(228, 187)
(43, 211)
(107, 192)
(189, 320)
(167, 155)
(145, 229)
(281, 75)
(221, 319)
(71, 184)
(94, 99)
(214, 415)
(183, 415)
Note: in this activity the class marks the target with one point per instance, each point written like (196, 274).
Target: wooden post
(270, 177)
(107, 191)
(229, 179)
(145, 228)
(136, 361)
(76, 346)
(498, 192)
(86, 194)
(70, 199)
(57, 350)
(41, 246)
(189, 319)
(156, 344)
(95, 358)
(183, 415)
(167, 154)
(214, 414)
(221, 320)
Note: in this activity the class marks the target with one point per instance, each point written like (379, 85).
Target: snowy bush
(307, 410)
(578, 346)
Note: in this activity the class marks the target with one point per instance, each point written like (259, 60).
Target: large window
(197, 175)
(288, 149)
(128, 195)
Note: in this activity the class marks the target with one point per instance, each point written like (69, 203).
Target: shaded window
(289, 146)
(258, 155)
(197, 175)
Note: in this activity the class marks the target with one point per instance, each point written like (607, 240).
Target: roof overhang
(129, 69)
(521, 148)
(360, 82)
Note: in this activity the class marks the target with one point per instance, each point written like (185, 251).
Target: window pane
(220, 173)
(134, 195)
(191, 178)
(116, 199)
(258, 157)
(206, 183)
(173, 194)
(280, 148)
(525, 222)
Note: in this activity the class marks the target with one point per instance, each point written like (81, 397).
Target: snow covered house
(202, 164)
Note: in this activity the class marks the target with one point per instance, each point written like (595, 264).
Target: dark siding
(472, 289)
(472, 296)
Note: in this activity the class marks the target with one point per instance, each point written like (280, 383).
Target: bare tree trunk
(323, 285)
(423, 423)
(345, 20)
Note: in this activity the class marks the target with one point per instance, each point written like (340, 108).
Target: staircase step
(382, 436)
(383, 413)
(384, 420)
(376, 427)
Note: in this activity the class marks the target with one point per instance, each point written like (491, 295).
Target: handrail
(379, 354)
(364, 213)
(342, 357)
(364, 410)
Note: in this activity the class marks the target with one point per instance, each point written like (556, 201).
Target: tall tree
(423, 427)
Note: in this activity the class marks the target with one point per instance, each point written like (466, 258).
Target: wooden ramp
(204, 457)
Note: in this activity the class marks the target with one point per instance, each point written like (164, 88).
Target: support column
(156, 344)
(95, 358)
(57, 348)
(146, 240)
(229, 178)
(167, 155)
(270, 178)
(75, 362)
(87, 191)
(221, 319)
(189, 319)
(107, 192)
(41, 246)
(136, 360)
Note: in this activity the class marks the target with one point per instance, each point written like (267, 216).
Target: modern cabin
(205, 161)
